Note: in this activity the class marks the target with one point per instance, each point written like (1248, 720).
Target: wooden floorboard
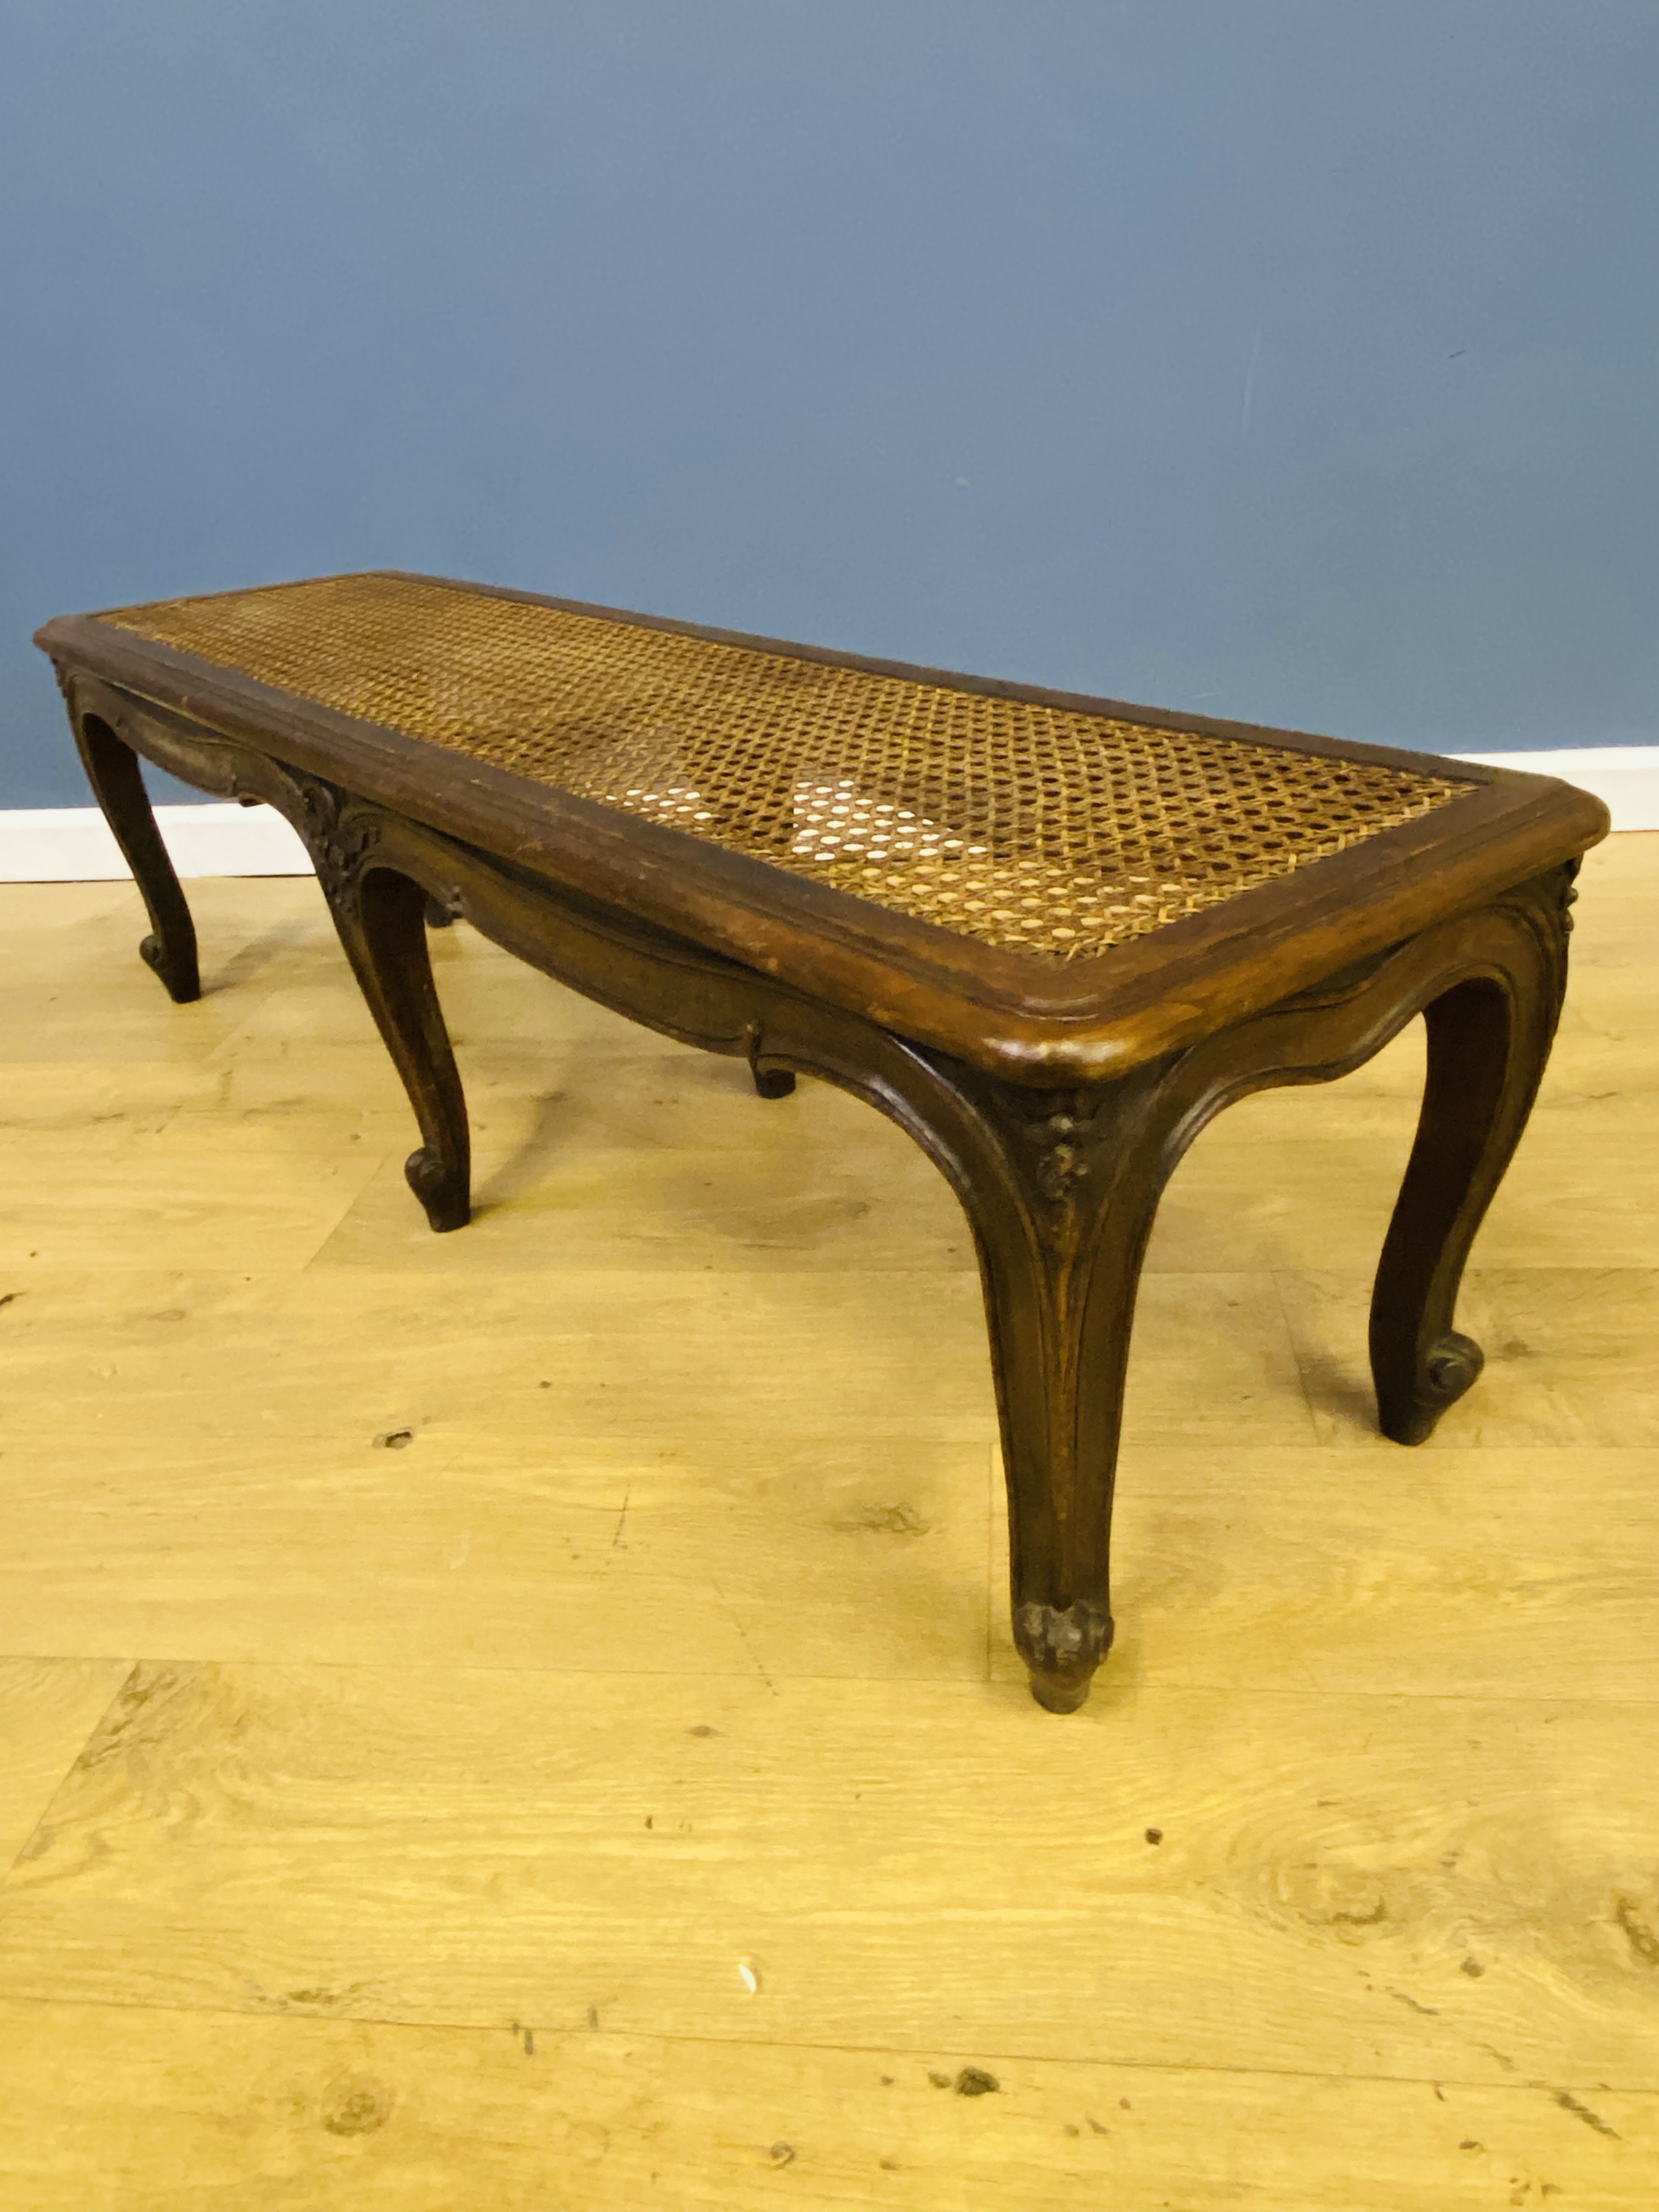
(1412, 1887)
(48, 1708)
(122, 2109)
(527, 1719)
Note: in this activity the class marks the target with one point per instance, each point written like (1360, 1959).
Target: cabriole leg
(1060, 1187)
(381, 919)
(1488, 1043)
(117, 783)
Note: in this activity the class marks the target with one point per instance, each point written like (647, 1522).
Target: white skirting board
(1625, 778)
(72, 844)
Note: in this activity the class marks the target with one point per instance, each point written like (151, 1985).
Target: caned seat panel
(1022, 825)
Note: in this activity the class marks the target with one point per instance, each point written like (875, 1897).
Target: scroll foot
(1453, 1366)
(1062, 1650)
(443, 1193)
(177, 969)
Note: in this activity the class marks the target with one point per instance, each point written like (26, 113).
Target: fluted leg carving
(117, 784)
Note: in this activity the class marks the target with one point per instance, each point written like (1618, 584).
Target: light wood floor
(527, 1719)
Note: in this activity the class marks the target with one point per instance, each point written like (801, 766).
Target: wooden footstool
(1049, 936)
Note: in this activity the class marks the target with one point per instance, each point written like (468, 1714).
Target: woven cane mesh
(1021, 825)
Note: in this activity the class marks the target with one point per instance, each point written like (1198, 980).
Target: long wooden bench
(1050, 936)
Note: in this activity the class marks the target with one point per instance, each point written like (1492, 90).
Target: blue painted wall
(1291, 359)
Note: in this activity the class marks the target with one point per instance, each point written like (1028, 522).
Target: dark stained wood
(773, 1082)
(1031, 1020)
(118, 782)
(1489, 1039)
(1057, 1120)
(382, 917)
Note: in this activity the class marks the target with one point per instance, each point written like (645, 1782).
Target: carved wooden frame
(1060, 1182)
